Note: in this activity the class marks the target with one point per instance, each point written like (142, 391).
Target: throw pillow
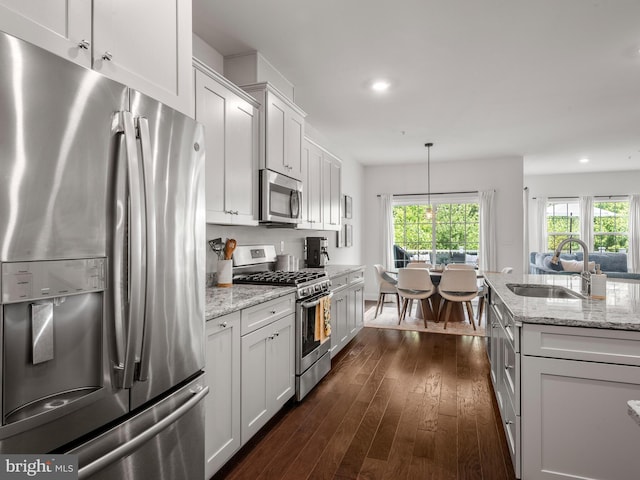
(546, 263)
(576, 265)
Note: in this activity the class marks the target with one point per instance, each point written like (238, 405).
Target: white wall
(504, 175)
(576, 184)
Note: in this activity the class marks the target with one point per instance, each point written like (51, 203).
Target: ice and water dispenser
(52, 318)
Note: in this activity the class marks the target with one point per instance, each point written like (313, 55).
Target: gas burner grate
(279, 277)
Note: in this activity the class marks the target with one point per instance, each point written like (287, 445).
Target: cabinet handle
(235, 212)
(507, 366)
(223, 324)
(494, 325)
(83, 44)
(107, 56)
(508, 422)
(272, 312)
(276, 333)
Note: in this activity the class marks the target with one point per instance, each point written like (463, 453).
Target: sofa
(613, 264)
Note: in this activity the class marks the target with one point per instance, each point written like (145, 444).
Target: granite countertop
(634, 410)
(620, 310)
(221, 301)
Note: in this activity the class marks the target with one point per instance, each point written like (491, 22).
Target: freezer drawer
(163, 441)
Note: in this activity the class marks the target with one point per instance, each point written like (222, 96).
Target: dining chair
(458, 286)
(415, 284)
(386, 286)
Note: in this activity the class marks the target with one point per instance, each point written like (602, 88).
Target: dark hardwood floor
(396, 405)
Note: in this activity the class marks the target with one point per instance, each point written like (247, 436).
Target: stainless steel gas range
(253, 264)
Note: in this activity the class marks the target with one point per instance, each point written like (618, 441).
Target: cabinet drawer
(356, 277)
(511, 423)
(510, 377)
(265, 313)
(339, 282)
(590, 344)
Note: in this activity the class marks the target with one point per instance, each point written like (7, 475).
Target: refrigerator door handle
(132, 284)
(129, 447)
(144, 350)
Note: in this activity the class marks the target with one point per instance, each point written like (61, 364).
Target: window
(610, 226)
(451, 236)
(563, 221)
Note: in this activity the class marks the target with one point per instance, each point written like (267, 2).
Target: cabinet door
(326, 192)
(222, 404)
(255, 347)
(146, 45)
(335, 192)
(575, 422)
(339, 319)
(281, 368)
(358, 308)
(312, 183)
(294, 138)
(315, 188)
(276, 124)
(61, 26)
(211, 104)
(241, 175)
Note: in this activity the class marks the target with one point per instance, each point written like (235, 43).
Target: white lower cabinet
(347, 309)
(575, 423)
(339, 316)
(222, 404)
(267, 373)
(250, 374)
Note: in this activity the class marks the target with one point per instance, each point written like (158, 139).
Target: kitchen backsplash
(293, 242)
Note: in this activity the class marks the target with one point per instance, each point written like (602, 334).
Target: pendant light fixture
(429, 211)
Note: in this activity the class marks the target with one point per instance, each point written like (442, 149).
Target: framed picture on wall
(348, 235)
(347, 206)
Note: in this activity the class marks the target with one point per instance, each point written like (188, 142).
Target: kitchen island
(563, 370)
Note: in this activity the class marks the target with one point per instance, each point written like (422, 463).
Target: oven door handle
(315, 302)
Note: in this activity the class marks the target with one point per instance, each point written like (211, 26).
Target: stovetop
(307, 283)
(279, 277)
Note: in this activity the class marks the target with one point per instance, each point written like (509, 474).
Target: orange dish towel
(323, 320)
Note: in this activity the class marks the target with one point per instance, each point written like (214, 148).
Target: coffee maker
(317, 251)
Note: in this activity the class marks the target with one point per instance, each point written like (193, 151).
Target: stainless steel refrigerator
(102, 253)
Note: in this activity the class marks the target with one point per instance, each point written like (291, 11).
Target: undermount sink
(543, 291)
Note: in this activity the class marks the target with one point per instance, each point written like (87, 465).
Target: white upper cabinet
(60, 26)
(230, 118)
(146, 45)
(331, 191)
(281, 133)
(120, 39)
(311, 186)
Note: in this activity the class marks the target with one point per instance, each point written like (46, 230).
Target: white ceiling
(548, 80)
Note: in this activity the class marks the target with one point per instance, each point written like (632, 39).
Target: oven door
(308, 349)
(280, 198)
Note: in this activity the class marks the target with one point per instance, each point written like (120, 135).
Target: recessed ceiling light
(584, 160)
(380, 85)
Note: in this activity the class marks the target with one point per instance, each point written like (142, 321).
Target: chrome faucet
(586, 274)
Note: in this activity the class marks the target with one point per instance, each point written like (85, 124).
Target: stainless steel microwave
(280, 198)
